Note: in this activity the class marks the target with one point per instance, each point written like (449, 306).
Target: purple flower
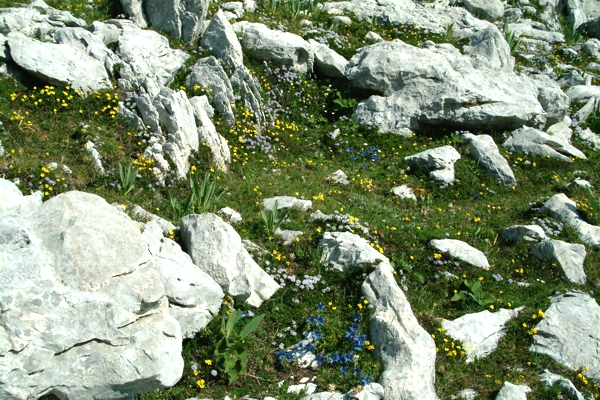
(214, 372)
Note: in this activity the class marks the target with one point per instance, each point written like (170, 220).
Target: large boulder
(327, 61)
(436, 85)
(406, 350)
(85, 299)
(346, 251)
(208, 134)
(217, 249)
(533, 141)
(220, 39)
(438, 162)
(59, 64)
(282, 48)
(489, 46)
(568, 333)
(485, 151)
(566, 257)
(487, 9)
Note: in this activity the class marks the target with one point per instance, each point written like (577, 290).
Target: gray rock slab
(462, 251)
(208, 134)
(59, 64)
(286, 202)
(533, 141)
(180, 19)
(220, 39)
(553, 100)
(439, 162)
(325, 396)
(568, 332)
(345, 251)
(424, 87)
(327, 61)
(279, 47)
(510, 391)
(567, 257)
(485, 151)
(209, 75)
(526, 29)
(217, 249)
(230, 215)
(490, 45)
(339, 177)
(248, 88)
(564, 209)
(288, 236)
(406, 350)
(371, 391)
(480, 332)
(12, 201)
(487, 9)
(141, 214)
(566, 386)
(583, 92)
(523, 233)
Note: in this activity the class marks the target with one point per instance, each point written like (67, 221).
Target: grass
(299, 154)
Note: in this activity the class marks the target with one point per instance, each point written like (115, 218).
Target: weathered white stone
(341, 20)
(373, 37)
(208, 134)
(568, 332)
(571, 78)
(327, 61)
(592, 48)
(288, 236)
(406, 350)
(582, 183)
(165, 226)
(220, 38)
(567, 257)
(282, 48)
(338, 177)
(509, 391)
(371, 391)
(461, 250)
(230, 215)
(485, 151)
(479, 333)
(12, 201)
(523, 233)
(533, 141)
(59, 64)
(176, 115)
(436, 85)
(466, 394)
(325, 396)
(439, 162)
(212, 78)
(487, 9)
(248, 88)
(236, 7)
(78, 284)
(525, 29)
(217, 249)
(148, 61)
(286, 202)
(179, 18)
(307, 388)
(566, 386)
(583, 92)
(345, 251)
(90, 147)
(553, 100)
(564, 209)
(404, 192)
(490, 45)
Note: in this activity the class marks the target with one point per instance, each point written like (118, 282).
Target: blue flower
(365, 380)
(320, 307)
(320, 359)
(281, 355)
(319, 320)
(357, 318)
(316, 334)
(344, 369)
(290, 356)
(350, 149)
(357, 371)
(311, 319)
(348, 357)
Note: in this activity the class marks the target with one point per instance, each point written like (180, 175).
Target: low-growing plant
(205, 194)
(594, 205)
(344, 103)
(230, 353)
(593, 121)
(273, 219)
(475, 292)
(181, 208)
(127, 175)
(513, 40)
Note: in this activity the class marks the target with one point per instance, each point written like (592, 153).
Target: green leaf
(476, 288)
(458, 296)
(231, 321)
(419, 277)
(251, 326)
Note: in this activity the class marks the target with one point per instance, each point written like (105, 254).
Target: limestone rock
(487, 9)
(286, 202)
(248, 88)
(467, 394)
(480, 332)
(133, 8)
(554, 102)
(220, 38)
(436, 85)
(567, 257)
(371, 391)
(90, 147)
(12, 201)
(59, 64)
(592, 48)
(525, 29)
(491, 45)
(208, 74)
(406, 350)
(404, 192)
(583, 92)
(208, 134)
(566, 386)
(461, 250)
(509, 391)
(217, 249)
(568, 332)
(439, 162)
(78, 284)
(485, 151)
(533, 141)
(288, 236)
(523, 233)
(327, 61)
(165, 226)
(150, 62)
(345, 251)
(282, 48)
(179, 18)
(564, 209)
(325, 396)
(236, 7)
(230, 215)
